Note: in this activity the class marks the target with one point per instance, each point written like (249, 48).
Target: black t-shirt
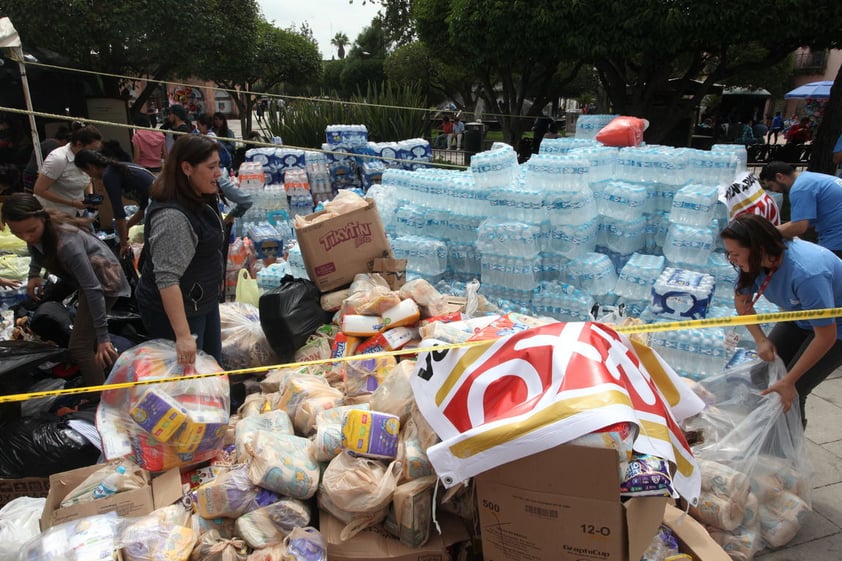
(132, 184)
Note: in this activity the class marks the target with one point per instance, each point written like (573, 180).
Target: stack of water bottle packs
(578, 225)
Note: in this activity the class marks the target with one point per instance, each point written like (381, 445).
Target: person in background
(121, 180)
(149, 148)
(539, 129)
(776, 127)
(65, 247)
(220, 128)
(177, 121)
(837, 155)
(204, 125)
(799, 133)
(182, 265)
(794, 275)
(30, 172)
(760, 130)
(747, 133)
(61, 185)
(552, 131)
(458, 131)
(815, 199)
(443, 140)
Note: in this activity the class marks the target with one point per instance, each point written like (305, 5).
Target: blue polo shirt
(817, 197)
(809, 278)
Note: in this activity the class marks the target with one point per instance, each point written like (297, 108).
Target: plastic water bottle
(110, 484)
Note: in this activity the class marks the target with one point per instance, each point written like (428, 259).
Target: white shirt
(68, 180)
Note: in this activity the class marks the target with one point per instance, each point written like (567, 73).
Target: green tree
(654, 58)
(149, 38)
(339, 41)
(508, 47)
(364, 63)
(274, 57)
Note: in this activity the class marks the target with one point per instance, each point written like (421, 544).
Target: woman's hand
(785, 389)
(766, 350)
(106, 354)
(9, 283)
(33, 288)
(185, 349)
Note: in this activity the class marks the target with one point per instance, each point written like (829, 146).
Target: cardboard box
(563, 504)
(11, 489)
(376, 543)
(692, 536)
(336, 249)
(160, 491)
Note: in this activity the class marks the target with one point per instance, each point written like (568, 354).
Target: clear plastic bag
(755, 468)
(168, 424)
(244, 345)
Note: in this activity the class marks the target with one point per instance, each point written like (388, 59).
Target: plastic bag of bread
(283, 463)
(272, 523)
(163, 535)
(354, 522)
(258, 403)
(272, 421)
(357, 484)
(300, 388)
(229, 495)
(394, 394)
(305, 414)
(431, 301)
(213, 547)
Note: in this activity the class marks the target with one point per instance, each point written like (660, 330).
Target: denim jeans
(205, 327)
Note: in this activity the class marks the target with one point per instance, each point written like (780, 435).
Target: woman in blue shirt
(121, 180)
(794, 275)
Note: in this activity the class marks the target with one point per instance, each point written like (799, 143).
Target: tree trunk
(821, 155)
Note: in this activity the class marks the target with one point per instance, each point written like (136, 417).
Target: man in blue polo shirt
(815, 200)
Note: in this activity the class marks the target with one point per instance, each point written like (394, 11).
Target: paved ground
(820, 539)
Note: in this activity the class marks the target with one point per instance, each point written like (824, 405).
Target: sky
(325, 17)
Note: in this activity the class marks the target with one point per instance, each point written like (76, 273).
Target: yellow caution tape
(626, 329)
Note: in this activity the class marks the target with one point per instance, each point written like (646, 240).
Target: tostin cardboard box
(338, 248)
(161, 491)
(563, 504)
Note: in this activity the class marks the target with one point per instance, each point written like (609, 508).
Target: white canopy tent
(11, 48)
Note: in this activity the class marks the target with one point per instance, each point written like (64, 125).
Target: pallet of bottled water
(562, 301)
(682, 294)
(426, 257)
(270, 277)
(349, 135)
(693, 353)
(588, 126)
(638, 275)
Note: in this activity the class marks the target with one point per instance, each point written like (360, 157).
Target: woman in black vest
(182, 265)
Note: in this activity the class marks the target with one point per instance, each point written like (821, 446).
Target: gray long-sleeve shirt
(91, 266)
(173, 244)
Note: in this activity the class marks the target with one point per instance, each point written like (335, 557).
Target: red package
(623, 131)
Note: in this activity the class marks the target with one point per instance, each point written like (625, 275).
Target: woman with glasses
(794, 275)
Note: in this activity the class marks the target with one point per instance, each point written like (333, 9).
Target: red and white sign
(518, 395)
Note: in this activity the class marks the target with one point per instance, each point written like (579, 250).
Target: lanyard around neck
(762, 288)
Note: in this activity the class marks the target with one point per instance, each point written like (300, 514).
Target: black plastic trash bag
(42, 446)
(291, 313)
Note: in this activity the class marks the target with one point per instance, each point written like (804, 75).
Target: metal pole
(36, 141)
